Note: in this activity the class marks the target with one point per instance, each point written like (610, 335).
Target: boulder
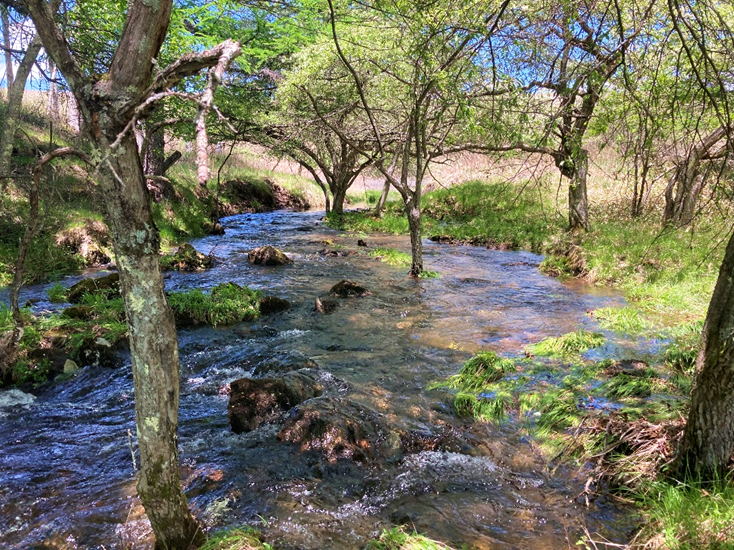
(91, 241)
(271, 304)
(254, 401)
(97, 352)
(187, 258)
(109, 284)
(337, 428)
(268, 255)
(213, 228)
(349, 289)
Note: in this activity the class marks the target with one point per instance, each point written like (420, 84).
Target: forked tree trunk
(708, 443)
(154, 352)
(578, 202)
(681, 194)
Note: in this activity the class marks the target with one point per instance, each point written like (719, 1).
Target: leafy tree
(112, 98)
(416, 81)
(559, 56)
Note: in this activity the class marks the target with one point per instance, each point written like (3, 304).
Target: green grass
(397, 539)
(226, 304)
(57, 294)
(485, 368)
(628, 320)
(567, 344)
(236, 539)
(689, 516)
(391, 256)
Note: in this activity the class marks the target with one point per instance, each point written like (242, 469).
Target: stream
(67, 477)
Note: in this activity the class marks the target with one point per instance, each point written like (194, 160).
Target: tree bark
(15, 102)
(154, 353)
(155, 155)
(340, 195)
(8, 45)
(682, 192)
(380, 206)
(708, 443)
(578, 202)
(53, 95)
(416, 242)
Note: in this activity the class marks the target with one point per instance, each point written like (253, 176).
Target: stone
(255, 401)
(282, 364)
(109, 284)
(349, 289)
(268, 255)
(271, 304)
(361, 242)
(187, 258)
(336, 428)
(70, 367)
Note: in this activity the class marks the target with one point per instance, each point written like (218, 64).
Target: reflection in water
(66, 458)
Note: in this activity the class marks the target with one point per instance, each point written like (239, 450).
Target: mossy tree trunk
(154, 352)
(708, 443)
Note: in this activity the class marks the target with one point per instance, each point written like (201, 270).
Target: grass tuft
(237, 539)
(397, 539)
(226, 304)
(567, 344)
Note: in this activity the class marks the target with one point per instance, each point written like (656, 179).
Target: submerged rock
(349, 289)
(254, 401)
(283, 364)
(268, 255)
(187, 258)
(271, 304)
(326, 305)
(109, 284)
(336, 428)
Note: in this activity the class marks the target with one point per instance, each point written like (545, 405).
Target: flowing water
(67, 476)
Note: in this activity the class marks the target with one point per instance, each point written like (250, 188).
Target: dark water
(66, 457)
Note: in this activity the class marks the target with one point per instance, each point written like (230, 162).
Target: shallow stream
(67, 476)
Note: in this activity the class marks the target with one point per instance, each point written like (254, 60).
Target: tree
(560, 57)
(110, 107)
(335, 149)
(415, 83)
(708, 442)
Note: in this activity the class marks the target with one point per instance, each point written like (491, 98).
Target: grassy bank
(618, 420)
(667, 274)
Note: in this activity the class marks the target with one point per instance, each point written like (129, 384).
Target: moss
(398, 539)
(237, 539)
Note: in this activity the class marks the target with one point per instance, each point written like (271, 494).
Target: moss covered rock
(109, 285)
(268, 255)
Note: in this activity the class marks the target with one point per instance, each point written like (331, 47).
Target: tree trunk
(380, 207)
(708, 443)
(340, 195)
(53, 94)
(681, 194)
(578, 204)
(155, 155)
(15, 101)
(154, 353)
(416, 243)
(8, 45)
